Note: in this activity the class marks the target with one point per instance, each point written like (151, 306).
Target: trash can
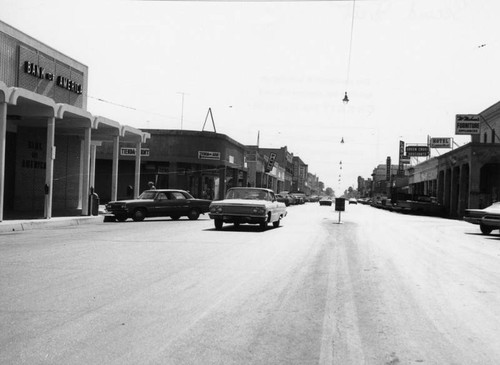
(93, 203)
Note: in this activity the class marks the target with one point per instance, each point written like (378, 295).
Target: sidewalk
(15, 225)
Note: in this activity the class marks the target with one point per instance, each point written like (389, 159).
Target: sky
(275, 72)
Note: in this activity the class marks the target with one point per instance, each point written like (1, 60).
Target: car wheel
(485, 229)
(263, 225)
(139, 215)
(121, 218)
(193, 214)
(276, 224)
(175, 217)
(218, 223)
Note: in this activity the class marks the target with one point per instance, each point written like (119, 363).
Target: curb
(27, 225)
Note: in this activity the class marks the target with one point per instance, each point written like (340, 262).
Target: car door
(180, 204)
(273, 206)
(162, 205)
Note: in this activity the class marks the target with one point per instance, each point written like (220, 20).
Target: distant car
(353, 201)
(289, 197)
(325, 201)
(284, 199)
(488, 218)
(300, 198)
(248, 205)
(171, 203)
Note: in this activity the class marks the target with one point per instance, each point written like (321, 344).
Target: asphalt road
(378, 288)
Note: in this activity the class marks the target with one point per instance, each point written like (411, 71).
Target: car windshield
(147, 195)
(251, 194)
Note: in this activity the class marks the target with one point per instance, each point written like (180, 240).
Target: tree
(329, 191)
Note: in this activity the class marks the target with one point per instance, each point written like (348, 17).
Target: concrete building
(204, 163)
(47, 136)
(284, 159)
(299, 176)
(468, 176)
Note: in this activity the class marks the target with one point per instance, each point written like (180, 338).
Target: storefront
(47, 137)
(204, 163)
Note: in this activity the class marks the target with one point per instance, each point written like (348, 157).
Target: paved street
(379, 288)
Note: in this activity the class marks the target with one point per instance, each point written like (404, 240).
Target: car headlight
(258, 210)
(215, 209)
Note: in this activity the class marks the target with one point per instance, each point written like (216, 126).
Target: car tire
(218, 223)
(485, 229)
(139, 215)
(276, 224)
(193, 214)
(263, 226)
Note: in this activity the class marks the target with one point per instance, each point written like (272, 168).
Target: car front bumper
(235, 218)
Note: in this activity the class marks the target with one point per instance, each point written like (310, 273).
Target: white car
(248, 205)
(487, 218)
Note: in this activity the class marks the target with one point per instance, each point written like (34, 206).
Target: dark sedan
(159, 203)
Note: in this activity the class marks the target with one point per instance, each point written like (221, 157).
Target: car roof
(250, 187)
(165, 190)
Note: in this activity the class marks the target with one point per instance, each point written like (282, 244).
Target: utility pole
(182, 108)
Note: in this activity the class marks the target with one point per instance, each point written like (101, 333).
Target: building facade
(204, 163)
(465, 177)
(47, 136)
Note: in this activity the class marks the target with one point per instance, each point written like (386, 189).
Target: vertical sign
(388, 170)
(401, 171)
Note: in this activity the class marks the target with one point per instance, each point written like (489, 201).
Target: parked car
(300, 198)
(487, 218)
(284, 199)
(248, 205)
(289, 197)
(159, 203)
(353, 201)
(326, 200)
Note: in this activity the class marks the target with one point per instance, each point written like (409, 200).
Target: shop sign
(417, 151)
(405, 160)
(270, 162)
(467, 124)
(208, 155)
(388, 168)
(39, 72)
(435, 142)
(401, 149)
(130, 151)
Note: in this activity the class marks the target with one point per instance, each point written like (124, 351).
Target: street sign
(467, 124)
(417, 151)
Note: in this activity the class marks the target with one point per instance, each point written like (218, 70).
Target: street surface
(378, 288)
